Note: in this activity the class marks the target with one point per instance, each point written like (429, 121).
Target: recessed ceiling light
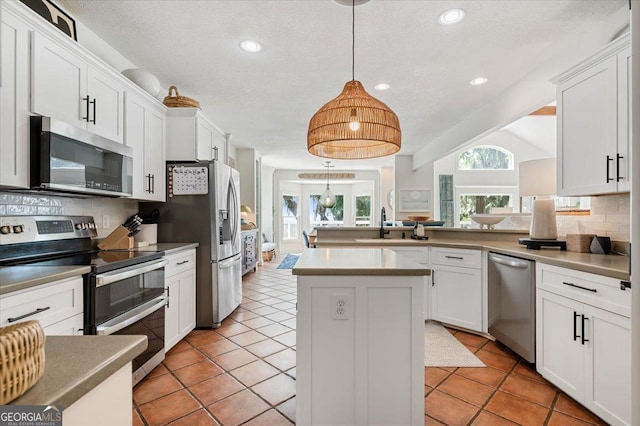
(478, 81)
(451, 16)
(381, 86)
(250, 46)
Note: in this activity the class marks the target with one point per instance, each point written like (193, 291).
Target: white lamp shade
(537, 177)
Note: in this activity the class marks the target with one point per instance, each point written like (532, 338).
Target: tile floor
(244, 373)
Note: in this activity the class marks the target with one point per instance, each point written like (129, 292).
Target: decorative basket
(267, 256)
(21, 358)
(580, 243)
(178, 101)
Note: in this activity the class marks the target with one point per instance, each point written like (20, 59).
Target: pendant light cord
(327, 164)
(353, 39)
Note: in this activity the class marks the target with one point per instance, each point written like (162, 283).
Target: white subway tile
(6, 198)
(19, 210)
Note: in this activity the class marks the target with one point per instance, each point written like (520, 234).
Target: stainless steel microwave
(67, 159)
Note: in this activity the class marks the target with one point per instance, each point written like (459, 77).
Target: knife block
(119, 239)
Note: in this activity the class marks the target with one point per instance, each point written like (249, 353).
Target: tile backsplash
(610, 216)
(117, 210)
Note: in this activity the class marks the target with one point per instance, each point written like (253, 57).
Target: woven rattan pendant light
(354, 125)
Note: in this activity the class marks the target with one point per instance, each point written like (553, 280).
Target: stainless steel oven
(130, 301)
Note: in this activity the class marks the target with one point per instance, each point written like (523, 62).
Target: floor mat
(444, 350)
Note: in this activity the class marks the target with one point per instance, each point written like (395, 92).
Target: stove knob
(85, 226)
(18, 229)
(5, 229)
(78, 226)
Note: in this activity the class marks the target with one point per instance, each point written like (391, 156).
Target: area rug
(444, 350)
(289, 261)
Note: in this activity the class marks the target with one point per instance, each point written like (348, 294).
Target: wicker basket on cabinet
(179, 101)
(21, 358)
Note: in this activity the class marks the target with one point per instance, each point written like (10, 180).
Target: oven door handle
(121, 274)
(130, 317)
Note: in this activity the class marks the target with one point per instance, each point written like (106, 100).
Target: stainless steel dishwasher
(512, 311)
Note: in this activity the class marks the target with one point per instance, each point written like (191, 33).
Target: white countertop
(356, 261)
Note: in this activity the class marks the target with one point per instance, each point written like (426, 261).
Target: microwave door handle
(130, 317)
(111, 277)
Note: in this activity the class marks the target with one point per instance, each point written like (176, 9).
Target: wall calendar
(188, 180)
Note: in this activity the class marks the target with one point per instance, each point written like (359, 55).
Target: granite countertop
(360, 261)
(14, 278)
(612, 265)
(167, 248)
(74, 365)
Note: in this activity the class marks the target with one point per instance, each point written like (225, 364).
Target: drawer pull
(455, 257)
(593, 290)
(182, 263)
(625, 285)
(168, 297)
(37, 311)
(575, 326)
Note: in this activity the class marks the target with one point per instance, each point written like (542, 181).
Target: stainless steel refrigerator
(203, 206)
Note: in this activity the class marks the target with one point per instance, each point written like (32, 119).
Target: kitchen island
(360, 337)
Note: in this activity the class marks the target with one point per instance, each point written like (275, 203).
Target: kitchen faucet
(383, 218)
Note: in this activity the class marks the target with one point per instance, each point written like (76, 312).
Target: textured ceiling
(266, 100)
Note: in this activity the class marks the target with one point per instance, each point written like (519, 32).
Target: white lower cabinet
(57, 306)
(457, 288)
(180, 283)
(581, 348)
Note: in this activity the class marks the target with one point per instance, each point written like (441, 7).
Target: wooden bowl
(419, 218)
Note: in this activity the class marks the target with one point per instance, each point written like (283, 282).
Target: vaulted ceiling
(266, 99)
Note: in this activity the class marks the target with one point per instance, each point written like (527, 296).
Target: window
(485, 158)
(290, 217)
(321, 216)
(480, 204)
(562, 204)
(363, 210)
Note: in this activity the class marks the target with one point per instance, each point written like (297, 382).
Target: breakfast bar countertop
(360, 261)
(612, 265)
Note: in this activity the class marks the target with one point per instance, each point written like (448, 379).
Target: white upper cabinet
(14, 100)
(145, 134)
(593, 123)
(67, 87)
(192, 137)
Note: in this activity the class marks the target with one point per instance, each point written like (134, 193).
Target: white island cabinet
(360, 347)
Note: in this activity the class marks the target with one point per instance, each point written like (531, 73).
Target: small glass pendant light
(328, 198)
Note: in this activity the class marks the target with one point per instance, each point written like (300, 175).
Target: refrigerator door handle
(230, 262)
(233, 207)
